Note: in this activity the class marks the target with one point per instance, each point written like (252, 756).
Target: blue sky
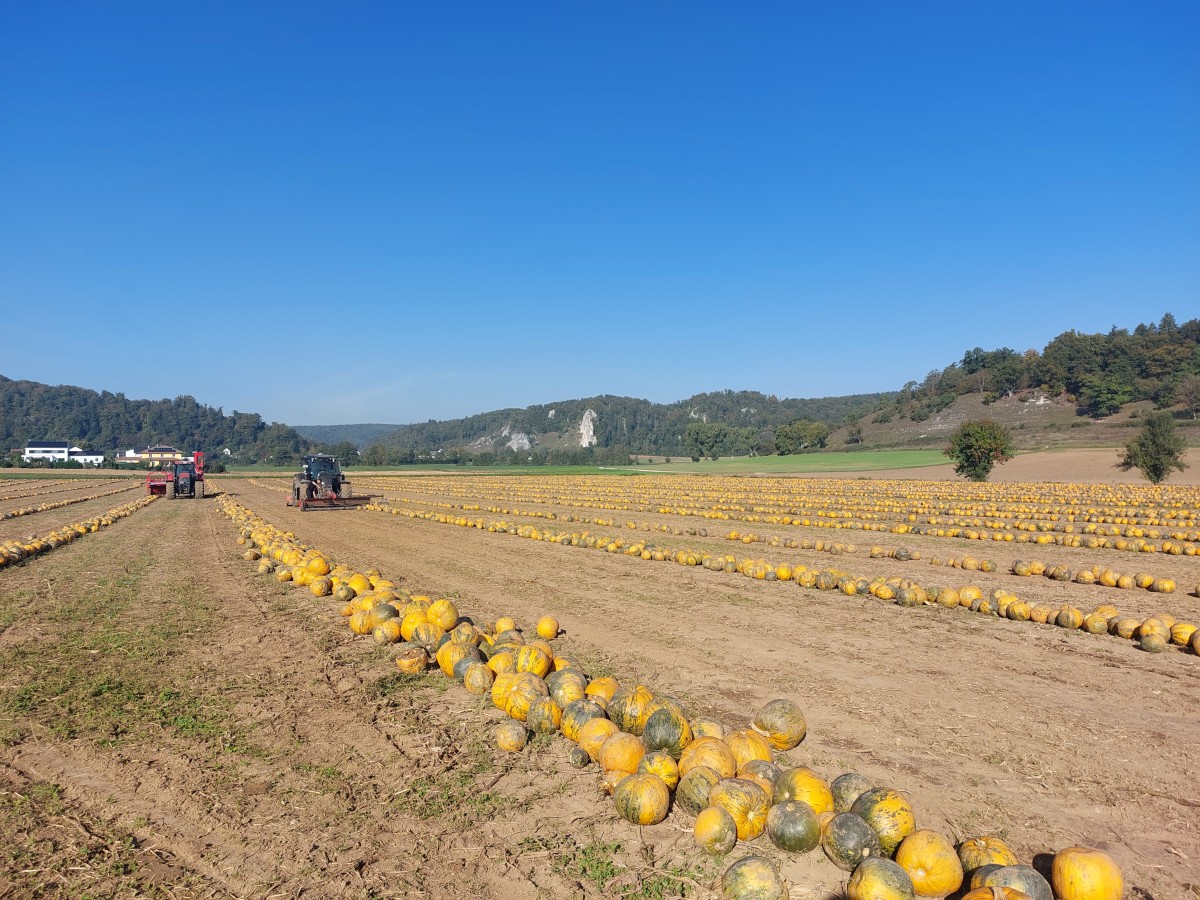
(391, 212)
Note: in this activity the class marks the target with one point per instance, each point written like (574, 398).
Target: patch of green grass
(802, 464)
(454, 794)
(103, 672)
(598, 863)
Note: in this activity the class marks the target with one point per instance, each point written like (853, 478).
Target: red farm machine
(320, 484)
(182, 478)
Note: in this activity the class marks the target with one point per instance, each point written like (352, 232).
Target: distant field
(806, 463)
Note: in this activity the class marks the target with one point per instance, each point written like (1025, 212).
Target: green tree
(1103, 395)
(977, 446)
(702, 439)
(1157, 451)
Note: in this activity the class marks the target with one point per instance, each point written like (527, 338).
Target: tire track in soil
(1052, 738)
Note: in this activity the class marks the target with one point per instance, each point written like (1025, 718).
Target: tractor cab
(323, 468)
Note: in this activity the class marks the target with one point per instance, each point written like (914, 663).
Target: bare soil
(324, 774)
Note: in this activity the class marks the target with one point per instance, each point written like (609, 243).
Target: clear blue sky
(390, 212)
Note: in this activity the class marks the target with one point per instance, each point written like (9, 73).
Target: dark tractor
(321, 485)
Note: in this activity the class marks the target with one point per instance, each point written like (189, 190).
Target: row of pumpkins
(12, 552)
(1092, 529)
(59, 504)
(654, 755)
(1101, 575)
(1154, 634)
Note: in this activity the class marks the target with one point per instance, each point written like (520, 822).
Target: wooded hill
(1088, 377)
(112, 423)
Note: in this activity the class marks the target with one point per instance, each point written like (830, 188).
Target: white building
(86, 457)
(60, 451)
(50, 451)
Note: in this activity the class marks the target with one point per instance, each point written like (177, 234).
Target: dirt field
(175, 725)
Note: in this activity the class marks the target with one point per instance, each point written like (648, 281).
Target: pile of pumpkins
(653, 755)
(12, 552)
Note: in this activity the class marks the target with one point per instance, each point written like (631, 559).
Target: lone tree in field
(977, 446)
(1157, 450)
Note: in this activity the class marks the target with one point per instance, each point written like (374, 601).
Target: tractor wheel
(199, 486)
(344, 489)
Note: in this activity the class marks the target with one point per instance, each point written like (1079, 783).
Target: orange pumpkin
(931, 862)
(1080, 873)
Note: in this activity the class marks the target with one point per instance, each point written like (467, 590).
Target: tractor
(184, 478)
(321, 484)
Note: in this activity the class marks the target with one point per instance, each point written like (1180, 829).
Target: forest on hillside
(1100, 372)
(1158, 362)
(112, 423)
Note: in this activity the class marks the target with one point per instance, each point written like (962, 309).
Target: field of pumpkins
(745, 787)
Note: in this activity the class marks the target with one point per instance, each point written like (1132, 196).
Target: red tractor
(183, 478)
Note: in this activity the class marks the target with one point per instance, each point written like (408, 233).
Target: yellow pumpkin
(642, 799)
(747, 745)
(996, 893)
(547, 628)
(876, 878)
(620, 751)
(931, 862)
(443, 613)
(752, 878)
(593, 735)
(522, 692)
(782, 723)
(985, 850)
(661, 764)
(511, 736)
(601, 690)
(805, 786)
(1080, 873)
(715, 831)
(746, 802)
(533, 659)
(888, 813)
(711, 752)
